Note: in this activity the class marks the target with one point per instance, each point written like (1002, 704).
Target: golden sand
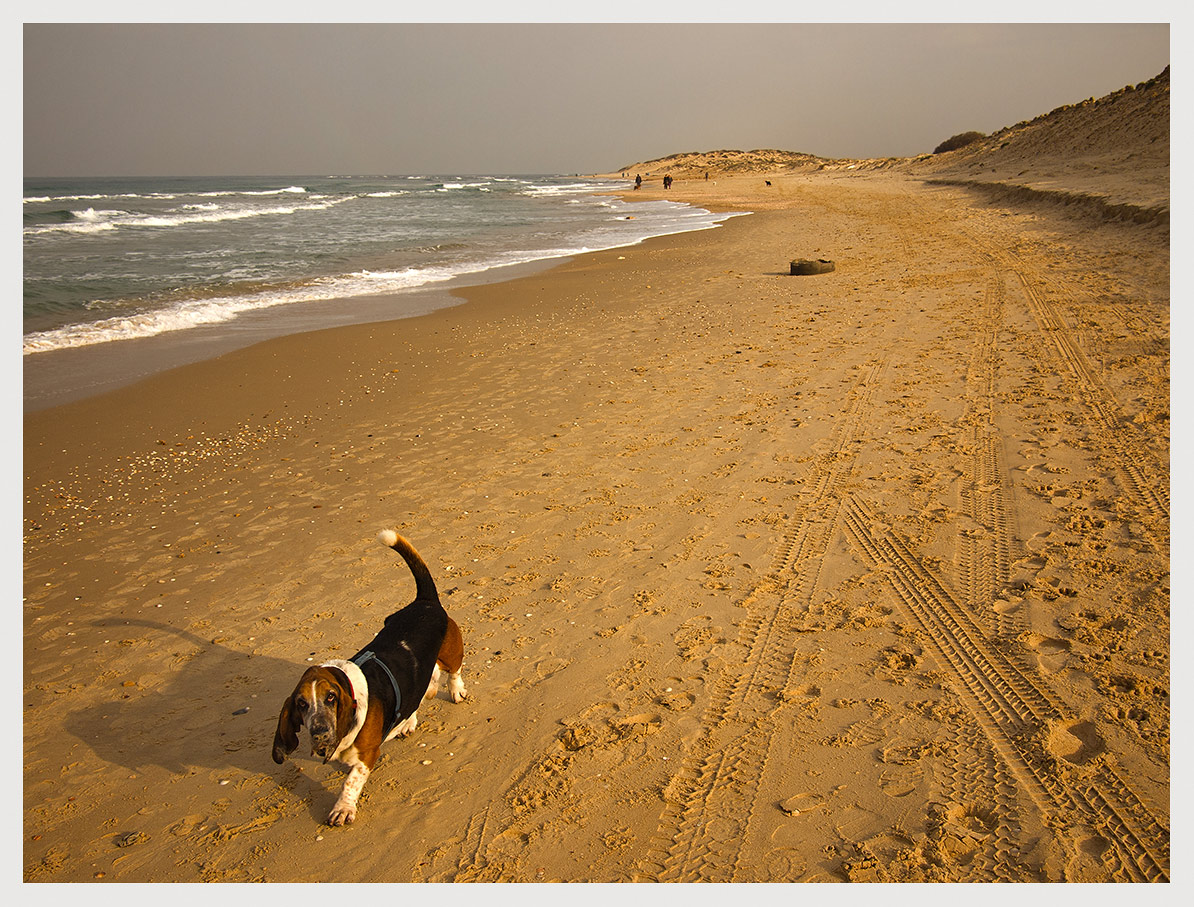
(859, 576)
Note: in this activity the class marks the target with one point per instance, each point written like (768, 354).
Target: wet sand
(861, 576)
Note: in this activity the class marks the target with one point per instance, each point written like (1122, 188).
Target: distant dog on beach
(351, 707)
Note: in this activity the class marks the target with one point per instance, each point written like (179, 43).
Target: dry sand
(861, 576)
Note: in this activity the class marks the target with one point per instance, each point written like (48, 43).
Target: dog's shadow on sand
(215, 712)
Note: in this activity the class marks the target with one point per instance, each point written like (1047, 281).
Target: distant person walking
(638, 181)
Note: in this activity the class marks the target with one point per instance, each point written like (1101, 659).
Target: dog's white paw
(456, 690)
(407, 727)
(342, 814)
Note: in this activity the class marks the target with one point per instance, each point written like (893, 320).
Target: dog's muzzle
(323, 738)
(323, 748)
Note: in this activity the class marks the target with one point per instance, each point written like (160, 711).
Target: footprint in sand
(1032, 564)
(901, 781)
(1051, 653)
(676, 701)
(636, 725)
(1040, 543)
(801, 804)
(961, 831)
(1007, 606)
(785, 864)
(1076, 742)
(806, 696)
(698, 637)
(544, 668)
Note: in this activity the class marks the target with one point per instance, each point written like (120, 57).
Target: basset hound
(350, 707)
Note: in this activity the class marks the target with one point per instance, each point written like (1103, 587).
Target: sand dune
(1114, 149)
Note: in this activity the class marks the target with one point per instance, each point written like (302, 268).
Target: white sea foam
(90, 220)
(41, 199)
(295, 190)
(161, 196)
(566, 189)
(247, 193)
(198, 312)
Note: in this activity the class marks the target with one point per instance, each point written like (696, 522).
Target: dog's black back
(408, 642)
(420, 627)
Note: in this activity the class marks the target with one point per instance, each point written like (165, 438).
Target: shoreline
(70, 373)
(209, 376)
(73, 374)
(715, 536)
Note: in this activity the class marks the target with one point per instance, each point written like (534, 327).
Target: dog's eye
(331, 699)
(301, 704)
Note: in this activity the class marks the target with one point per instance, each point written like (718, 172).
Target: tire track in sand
(981, 797)
(711, 800)
(1144, 476)
(1133, 456)
(1054, 757)
(985, 554)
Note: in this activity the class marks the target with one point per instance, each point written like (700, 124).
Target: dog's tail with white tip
(424, 584)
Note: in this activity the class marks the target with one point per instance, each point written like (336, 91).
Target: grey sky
(181, 99)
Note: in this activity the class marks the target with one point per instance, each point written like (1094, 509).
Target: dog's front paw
(342, 814)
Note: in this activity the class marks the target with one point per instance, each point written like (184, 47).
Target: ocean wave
(90, 220)
(289, 190)
(75, 226)
(446, 187)
(565, 189)
(179, 316)
(163, 196)
(90, 215)
(193, 313)
(143, 324)
(153, 196)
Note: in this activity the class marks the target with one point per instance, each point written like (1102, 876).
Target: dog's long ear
(346, 707)
(286, 736)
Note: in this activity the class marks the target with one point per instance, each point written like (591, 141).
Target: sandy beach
(861, 576)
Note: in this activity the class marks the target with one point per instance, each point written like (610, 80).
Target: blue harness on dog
(359, 661)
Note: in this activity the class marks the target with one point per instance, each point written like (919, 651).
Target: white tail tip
(388, 537)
